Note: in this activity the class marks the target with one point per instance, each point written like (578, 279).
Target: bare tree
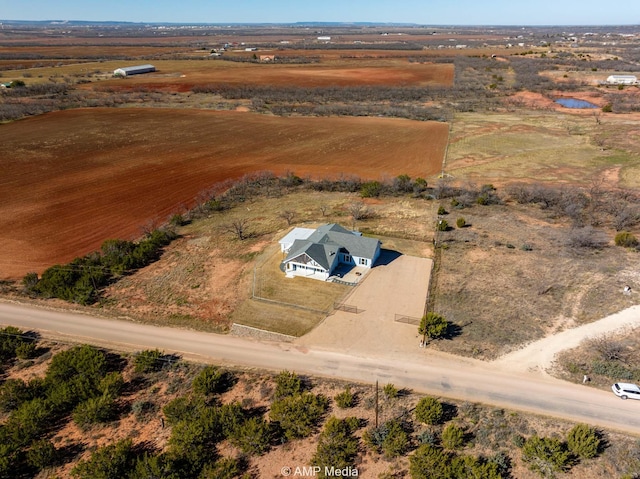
(323, 210)
(150, 226)
(600, 142)
(443, 188)
(288, 216)
(358, 211)
(624, 216)
(596, 192)
(237, 227)
(597, 117)
(201, 199)
(609, 348)
(587, 237)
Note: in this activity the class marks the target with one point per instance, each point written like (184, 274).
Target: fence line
(348, 308)
(403, 318)
(290, 305)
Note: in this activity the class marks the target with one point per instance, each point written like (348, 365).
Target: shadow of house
(387, 256)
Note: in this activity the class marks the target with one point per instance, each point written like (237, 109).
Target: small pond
(575, 103)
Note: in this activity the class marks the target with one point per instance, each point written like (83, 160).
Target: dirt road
(539, 355)
(435, 374)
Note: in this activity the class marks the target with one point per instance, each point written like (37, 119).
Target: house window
(347, 258)
(363, 261)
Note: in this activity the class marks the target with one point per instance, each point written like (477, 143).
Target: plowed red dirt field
(183, 75)
(72, 179)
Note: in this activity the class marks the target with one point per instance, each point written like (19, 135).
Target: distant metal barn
(136, 70)
(622, 80)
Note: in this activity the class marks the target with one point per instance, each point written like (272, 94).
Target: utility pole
(377, 397)
(253, 289)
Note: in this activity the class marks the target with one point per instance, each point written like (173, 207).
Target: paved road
(437, 374)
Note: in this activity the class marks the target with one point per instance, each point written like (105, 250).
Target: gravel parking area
(397, 285)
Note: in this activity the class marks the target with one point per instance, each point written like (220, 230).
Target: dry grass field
(552, 146)
(72, 179)
(511, 277)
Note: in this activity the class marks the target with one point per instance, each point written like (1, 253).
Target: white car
(626, 390)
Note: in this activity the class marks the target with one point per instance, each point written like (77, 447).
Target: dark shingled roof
(327, 240)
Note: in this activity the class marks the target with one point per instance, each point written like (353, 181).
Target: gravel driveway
(397, 285)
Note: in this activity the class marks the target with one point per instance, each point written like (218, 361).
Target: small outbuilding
(135, 70)
(622, 80)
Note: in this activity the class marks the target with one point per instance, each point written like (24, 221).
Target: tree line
(81, 280)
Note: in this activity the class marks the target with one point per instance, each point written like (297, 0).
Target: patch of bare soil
(194, 282)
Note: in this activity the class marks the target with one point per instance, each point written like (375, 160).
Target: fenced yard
(270, 283)
(290, 306)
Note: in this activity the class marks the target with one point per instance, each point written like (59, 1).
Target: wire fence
(403, 318)
(270, 286)
(290, 305)
(348, 308)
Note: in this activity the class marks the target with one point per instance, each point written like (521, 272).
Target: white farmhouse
(622, 80)
(317, 253)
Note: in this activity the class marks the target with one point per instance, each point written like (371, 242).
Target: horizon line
(318, 22)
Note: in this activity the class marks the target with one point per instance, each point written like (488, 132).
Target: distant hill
(84, 23)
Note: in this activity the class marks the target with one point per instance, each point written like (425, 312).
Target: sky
(425, 12)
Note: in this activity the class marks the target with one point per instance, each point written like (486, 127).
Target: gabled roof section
(323, 254)
(324, 244)
(354, 244)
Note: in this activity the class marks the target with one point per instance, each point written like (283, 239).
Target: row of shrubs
(82, 280)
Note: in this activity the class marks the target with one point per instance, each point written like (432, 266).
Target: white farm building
(318, 253)
(136, 70)
(622, 80)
